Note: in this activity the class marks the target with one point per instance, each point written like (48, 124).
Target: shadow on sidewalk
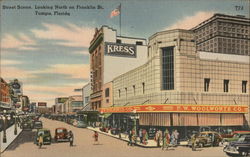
(23, 137)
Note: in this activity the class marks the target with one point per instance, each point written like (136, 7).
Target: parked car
(61, 134)
(27, 125)
(235, 137)
(81, 124)
(45, 134)
(238, 148)
(38, 125)
(205, 139)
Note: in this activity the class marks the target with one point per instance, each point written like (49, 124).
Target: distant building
(59, 104)
(4, 94)
(224, 34)
(74, 104)
(25, 102)
(86, 90)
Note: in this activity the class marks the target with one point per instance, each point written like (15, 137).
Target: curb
(136, 144)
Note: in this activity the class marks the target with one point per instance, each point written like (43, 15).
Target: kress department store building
(181, 87)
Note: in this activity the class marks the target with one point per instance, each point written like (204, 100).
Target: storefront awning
(179, 108)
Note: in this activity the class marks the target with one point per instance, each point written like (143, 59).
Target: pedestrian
(40, 140)
(176, 137)
(140, 135)
(119, 132)
(165, 140)
(130, 136)
(95, 136)
(193, 141)
(158, 137)
(71, 138)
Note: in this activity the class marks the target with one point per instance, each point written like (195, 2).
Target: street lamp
(102, 117)
(135, 117)
(15, 130)
(4, 117)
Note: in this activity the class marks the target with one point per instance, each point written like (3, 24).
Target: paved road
(84, 146)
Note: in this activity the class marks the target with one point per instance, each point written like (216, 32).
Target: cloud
(22, 42)
(71, 35)
(11, 73)
(80, 52)
(9, 62)
(189, 22)
(76, 71)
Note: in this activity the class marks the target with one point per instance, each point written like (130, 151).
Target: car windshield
(38, 122)
(61, 130)
(236, 136)
(241, 139)
(43, 132)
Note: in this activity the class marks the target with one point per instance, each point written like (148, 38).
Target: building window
(107, 92)
(143, 88)
(244, 86)
(226, 85)
(206, 84)
(134, 89)
(119, 93)
(118, 41)
(168, 68)
(126, 92)
(138, 43)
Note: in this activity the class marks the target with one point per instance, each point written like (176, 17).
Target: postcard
(127, 78)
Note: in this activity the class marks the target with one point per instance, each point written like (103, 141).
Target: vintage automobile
(61, 134)
(238, 148)
(81, 124)
(27, 125)
(235, 137)
(37, 125)
(45, 134)
(205, 139)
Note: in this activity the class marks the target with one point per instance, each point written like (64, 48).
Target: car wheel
(229, 154)
(245, 154)
(201, 145)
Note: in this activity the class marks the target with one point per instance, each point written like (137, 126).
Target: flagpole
(120, 19)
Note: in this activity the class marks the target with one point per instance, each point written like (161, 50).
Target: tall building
(224, 34)
(184, 88)
(111, 56)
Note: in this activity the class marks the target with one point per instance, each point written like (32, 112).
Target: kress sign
(120, 50)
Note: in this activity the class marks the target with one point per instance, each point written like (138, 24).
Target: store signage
(178, 108)
(44, 104)
(120, 50)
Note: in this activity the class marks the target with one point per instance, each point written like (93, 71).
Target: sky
(49, 53)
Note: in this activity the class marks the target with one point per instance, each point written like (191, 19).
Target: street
(108, 146)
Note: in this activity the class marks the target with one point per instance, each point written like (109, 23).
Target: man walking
(71, 138)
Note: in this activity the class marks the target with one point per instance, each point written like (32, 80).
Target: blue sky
(49, 54)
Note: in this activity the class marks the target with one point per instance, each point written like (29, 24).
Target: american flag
(116, 11)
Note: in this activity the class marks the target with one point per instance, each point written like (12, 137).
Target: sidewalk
(124, 137)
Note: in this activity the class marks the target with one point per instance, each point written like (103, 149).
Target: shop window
(206, 84)
(138, 43)
(118, 41)
(107, 92)
(244, 86)
(167, 68)
(226, 85)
